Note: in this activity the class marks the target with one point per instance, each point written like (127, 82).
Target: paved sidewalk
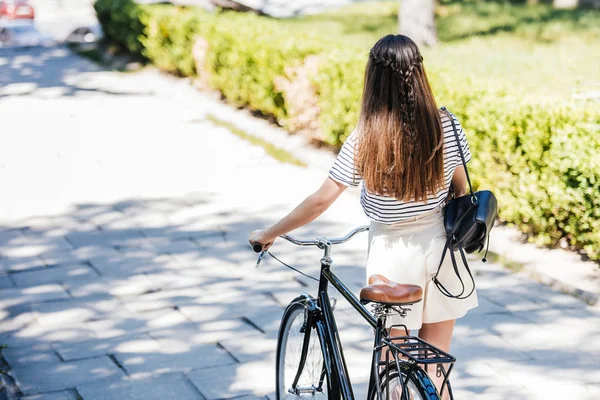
(125, 272)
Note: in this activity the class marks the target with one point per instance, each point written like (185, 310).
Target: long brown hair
(399, 150)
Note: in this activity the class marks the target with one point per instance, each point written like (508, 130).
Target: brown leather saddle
(382, 290)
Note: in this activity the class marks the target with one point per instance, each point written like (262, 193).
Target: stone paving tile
(251, 348)
(165, 318)
(13, 296)
(162, 299)
(115, 286)
(121, 237)
(476, 379)
(195, 230)
(77, 255)
(182, 336)
(13, 319)
(33, 245)
(176, 247)
(143, 221)
(230, 305)
(562, 333)
(54, 225)
(127, 345)
(98, 237)
(103, 217)
(20, 263)
(6, 282)
(546, 383)
(175, 359)
(486, 306)
(75, 310)
(57, 274)
(7, 235)
(168, 386)
(184, 278)
(132, 251)
(475, 345)
(121, 265)
(225, 382)
(23, 356)
(61, 395)
(47, 377)
(25, 330)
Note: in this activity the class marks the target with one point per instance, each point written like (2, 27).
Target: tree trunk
(533, 2)
(416, 20)
(565, 3)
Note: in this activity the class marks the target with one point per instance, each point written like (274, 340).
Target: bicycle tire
(290, 325)
(419, 383)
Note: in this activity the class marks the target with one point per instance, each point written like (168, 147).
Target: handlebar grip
(258, 247)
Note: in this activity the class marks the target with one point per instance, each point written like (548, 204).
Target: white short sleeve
(344, 169)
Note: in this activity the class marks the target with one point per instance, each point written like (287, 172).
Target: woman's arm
(307, 211)
(459, 182)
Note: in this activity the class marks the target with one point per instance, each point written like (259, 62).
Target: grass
(539, 52)
(495, 258)
(277, 153)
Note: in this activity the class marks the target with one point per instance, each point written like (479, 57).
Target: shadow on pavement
(49, 72)
(146, 287)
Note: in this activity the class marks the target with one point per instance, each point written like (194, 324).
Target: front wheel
(313, 380)
(419, 385)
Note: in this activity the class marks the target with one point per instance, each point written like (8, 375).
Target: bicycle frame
(320, 315)
(339, 385)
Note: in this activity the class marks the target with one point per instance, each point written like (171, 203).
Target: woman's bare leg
(438, 334)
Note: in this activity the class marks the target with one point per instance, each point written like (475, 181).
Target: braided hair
(403, 70)
(399, 150)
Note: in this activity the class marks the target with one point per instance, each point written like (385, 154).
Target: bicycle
(310, 359)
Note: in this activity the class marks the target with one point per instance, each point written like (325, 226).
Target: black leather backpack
(468, 221)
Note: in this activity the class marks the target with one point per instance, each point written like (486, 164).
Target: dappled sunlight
(52, 72)
(181, 294)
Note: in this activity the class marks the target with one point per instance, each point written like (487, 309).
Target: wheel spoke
(311, 377)
(394, 387)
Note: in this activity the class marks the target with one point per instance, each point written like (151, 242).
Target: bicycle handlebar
(258, 247)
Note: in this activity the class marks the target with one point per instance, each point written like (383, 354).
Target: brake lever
(260, 257)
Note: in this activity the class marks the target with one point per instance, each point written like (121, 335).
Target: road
(125, 271)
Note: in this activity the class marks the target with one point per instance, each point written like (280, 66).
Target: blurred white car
(20, 33)
(85, 35)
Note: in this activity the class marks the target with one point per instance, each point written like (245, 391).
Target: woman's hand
(260, 236)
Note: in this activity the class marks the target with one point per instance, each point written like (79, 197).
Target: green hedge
(122, 23)
(542, 160)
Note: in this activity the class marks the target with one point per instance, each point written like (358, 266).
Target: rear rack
(413, 350)
(417, 350)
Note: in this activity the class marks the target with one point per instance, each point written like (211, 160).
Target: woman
(406, 155)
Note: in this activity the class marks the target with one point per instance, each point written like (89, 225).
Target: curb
(559, 269)
(537, 274)
(586, 296)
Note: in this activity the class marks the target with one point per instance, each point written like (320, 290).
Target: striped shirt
(389, 210)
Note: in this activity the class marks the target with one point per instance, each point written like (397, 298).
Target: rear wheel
(419, 385)
(313, 380)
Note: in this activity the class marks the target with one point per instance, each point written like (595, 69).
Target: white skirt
(410, 252)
